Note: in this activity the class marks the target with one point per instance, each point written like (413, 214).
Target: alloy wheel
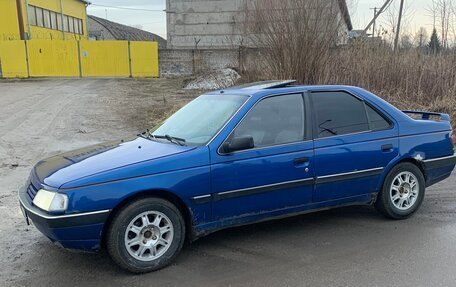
(404, 190)
(149, 235)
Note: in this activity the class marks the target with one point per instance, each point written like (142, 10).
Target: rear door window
(338, 113)
(377, 121)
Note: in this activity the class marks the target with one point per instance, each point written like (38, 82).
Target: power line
(127, 8)
(385, 6)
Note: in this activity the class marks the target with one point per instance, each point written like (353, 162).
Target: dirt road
(346, 247)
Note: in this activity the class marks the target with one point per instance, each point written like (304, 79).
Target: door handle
(387, 147)
(301, 161)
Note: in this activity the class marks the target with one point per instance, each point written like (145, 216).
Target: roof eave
(346, 14)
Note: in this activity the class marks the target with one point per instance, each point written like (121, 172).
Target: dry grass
(147, 102)
(299, 44)
(408, 79)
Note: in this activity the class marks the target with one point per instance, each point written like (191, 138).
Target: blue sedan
(233, 157)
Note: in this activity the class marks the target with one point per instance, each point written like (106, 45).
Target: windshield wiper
(174, 140)
(147, 135)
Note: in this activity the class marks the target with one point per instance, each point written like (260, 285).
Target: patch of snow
(214, 80)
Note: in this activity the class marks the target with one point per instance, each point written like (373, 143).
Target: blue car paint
(259, 168)
(102, 177)
(64, 171)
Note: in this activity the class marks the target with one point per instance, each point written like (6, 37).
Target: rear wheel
(146, 235)
(402, 192)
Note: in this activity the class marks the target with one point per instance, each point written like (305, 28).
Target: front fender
(184, 184)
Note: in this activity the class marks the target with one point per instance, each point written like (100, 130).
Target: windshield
(199, 121)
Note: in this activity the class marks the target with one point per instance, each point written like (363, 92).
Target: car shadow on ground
(224, 244)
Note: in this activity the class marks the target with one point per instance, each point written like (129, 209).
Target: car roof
(267, 88)
(257, 91)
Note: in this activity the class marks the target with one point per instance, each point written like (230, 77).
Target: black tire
(384, 203)
(115, 237)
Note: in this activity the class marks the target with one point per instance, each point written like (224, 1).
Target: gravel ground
(345, 247)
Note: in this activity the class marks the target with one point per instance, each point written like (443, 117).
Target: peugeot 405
(233, 157)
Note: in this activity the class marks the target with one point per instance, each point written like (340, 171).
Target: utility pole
(375, 20)
(398, 30)
(382, 9)
(421, 37)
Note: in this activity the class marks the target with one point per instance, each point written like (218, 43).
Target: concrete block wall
(217, 24)
(205, 24)
(176, 62)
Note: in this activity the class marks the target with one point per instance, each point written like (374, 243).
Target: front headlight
(51, 201)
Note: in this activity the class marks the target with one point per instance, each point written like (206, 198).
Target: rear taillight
(453, 139)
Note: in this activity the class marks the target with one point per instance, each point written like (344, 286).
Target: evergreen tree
(435, 47)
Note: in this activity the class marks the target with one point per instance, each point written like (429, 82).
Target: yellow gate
(13, 59)
(144, 59)
(104, 59)
(71, 58)
(56, 58)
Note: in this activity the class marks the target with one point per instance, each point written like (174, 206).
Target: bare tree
(296, 36)
(421, 37)
(390, 19)
(452, 22)
(443, 14)
(406, 42)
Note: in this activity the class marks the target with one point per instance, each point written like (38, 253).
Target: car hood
(58, 170)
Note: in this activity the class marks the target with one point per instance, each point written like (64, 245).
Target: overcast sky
(416, 14)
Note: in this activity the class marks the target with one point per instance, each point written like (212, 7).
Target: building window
(76, 26)
(32, 15)
(39, 17)
(53, 20)
(47, 19)
(71, 24)
(59, 22)
(65, 23)
(81, 30)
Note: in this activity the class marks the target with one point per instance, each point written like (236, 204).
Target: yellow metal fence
(58, 58)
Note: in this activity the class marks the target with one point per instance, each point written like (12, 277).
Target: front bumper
(81, 231)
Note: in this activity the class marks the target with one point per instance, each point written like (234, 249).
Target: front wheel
(402, 192)
(146, 235)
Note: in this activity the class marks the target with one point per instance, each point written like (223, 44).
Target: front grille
(31, 191)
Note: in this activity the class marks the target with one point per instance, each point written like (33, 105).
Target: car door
(277, 173)
(354, 142)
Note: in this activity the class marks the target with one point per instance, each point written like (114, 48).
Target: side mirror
(238, 144)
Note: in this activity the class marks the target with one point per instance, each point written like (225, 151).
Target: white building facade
(218, 24)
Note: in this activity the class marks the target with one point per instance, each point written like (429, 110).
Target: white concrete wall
(212, 24)
(204, 23)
